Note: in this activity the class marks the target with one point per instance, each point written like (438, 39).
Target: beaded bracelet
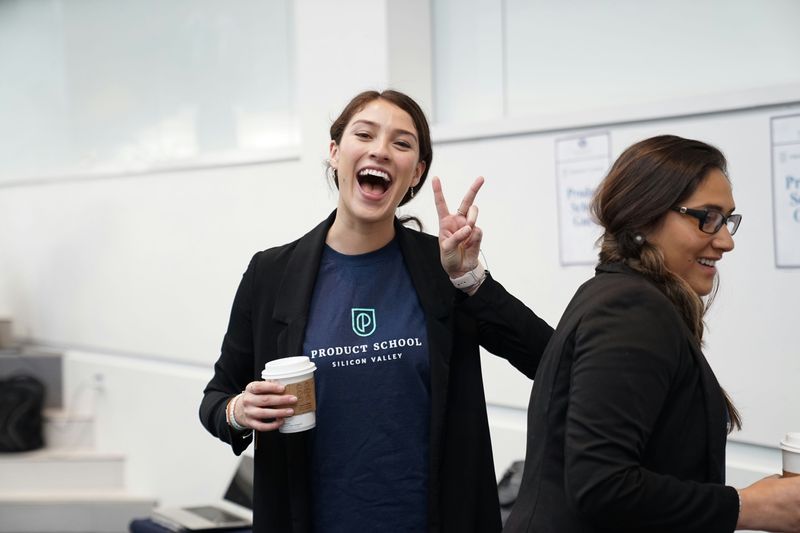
(230, 412)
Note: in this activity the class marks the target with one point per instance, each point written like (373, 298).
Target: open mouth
(374, 181)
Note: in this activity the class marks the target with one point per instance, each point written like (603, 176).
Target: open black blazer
(268, 321)
(626, 423)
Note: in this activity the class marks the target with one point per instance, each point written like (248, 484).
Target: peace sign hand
(459, 237)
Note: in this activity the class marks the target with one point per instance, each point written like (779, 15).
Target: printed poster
(786, 190)
(581, 163)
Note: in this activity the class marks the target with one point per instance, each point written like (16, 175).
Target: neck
(353, 238)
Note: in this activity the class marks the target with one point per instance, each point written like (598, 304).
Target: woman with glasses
(627, 423)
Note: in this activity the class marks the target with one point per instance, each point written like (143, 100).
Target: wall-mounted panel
(111, 86)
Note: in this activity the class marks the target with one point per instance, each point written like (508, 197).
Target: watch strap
(471, 278)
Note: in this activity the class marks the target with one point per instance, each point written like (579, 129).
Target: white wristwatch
(471, 278)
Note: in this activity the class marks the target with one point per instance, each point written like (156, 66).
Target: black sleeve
(627, 353)
(506, 326)
(234, 368)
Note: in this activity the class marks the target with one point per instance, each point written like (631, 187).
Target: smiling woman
(380, 152)
(393, 319)
(690, 254)
(627, 423)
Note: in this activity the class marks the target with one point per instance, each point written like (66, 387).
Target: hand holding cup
(264, 405)
(296, 376)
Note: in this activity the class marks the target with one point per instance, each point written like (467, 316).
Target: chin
(703, 291)
(374, 212)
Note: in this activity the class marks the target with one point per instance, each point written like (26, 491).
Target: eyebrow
(718, 208)
(375, 124)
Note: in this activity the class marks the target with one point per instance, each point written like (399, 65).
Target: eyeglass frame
(702, 215)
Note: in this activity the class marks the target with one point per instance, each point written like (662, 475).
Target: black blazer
(626, 423)
(268, 321)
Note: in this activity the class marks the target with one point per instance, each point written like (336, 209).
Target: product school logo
(363, 321)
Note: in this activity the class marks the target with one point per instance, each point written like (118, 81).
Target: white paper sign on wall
(581, 163)
(786, 189)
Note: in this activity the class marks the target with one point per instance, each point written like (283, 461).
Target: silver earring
(638, 239)
(412, 192)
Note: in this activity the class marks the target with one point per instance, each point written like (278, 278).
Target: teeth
(374, 172)
(706, 262)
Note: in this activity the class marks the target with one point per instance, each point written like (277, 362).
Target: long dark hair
(404, 102)
(644, 183)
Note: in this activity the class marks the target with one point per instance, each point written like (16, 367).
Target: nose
(723, 240)
(380, 149)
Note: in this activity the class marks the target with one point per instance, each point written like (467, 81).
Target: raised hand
(459, 237)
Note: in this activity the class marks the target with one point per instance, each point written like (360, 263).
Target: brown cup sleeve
(306, 398)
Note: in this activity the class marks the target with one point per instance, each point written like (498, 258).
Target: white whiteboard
(751, 341)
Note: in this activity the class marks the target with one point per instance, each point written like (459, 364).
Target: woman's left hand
(459, 237)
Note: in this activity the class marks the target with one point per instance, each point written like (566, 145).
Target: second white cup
(790, 449)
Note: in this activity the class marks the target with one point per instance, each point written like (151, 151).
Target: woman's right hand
(771, 504)
(459, 237)
(263, 406)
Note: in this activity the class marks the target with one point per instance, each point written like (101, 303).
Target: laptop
(234, 511)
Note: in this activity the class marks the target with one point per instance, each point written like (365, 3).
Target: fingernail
(292, 398)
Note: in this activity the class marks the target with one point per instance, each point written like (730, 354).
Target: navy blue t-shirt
(366, 334)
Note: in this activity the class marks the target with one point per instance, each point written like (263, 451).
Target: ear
(418, 173)
(334, 154)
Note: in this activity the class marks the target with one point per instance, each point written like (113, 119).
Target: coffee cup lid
(288, 367)
(791, 442)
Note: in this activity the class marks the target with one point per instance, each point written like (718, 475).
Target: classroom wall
(749, 340)
(132, 274)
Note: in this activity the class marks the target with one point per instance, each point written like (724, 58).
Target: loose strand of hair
(409, 220)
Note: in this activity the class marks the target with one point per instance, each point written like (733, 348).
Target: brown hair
(404, 102)
(644, 183)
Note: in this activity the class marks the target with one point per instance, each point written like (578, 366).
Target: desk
(145, 525)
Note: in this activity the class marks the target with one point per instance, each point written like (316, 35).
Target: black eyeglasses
(712, 220)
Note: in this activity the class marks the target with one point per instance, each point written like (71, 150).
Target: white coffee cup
(790, 449)
(297, 373)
